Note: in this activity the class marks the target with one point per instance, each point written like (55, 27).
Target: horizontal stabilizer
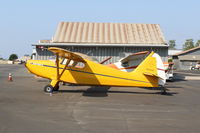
(151, 74)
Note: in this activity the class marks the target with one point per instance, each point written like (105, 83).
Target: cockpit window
(80, 65)
(125, 64)
(73, 63)
(64, 61)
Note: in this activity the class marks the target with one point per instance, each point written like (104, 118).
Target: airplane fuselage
(91, 74)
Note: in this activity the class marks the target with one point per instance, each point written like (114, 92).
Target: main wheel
(48, 88)
(192, 68)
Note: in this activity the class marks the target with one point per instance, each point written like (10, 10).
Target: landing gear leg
(163, 91)
(56, 88)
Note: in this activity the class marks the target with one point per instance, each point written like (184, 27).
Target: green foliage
(172, 43)
(13, 57)
(1, 58)
(170, 60)
(197, 43)
(189, 43)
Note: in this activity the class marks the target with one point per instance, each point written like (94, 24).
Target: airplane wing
(66, 54)
(59, 52)
(135, 56)
(130, 62)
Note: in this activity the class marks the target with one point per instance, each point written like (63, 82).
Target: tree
(197, 43)
(13, 57)
(172, 43)
(189, 43)
(1, 58)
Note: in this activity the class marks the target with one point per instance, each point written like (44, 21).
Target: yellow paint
(145, 75)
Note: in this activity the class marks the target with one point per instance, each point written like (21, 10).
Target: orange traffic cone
(10, 77)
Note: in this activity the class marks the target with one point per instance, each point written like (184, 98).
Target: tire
(171, 79)
(48, 89)
(192, 68)
(163, 91)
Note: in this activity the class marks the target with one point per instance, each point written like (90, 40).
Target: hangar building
(186, 59)
(102, 40)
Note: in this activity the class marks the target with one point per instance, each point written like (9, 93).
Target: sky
(24, 22)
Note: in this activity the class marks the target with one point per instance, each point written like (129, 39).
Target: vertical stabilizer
(160, 70)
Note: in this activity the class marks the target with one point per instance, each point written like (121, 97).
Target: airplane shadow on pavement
(103, 91)
(93, 91)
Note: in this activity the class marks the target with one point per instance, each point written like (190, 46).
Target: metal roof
(108, 33)
(97, 44)
(187, 51)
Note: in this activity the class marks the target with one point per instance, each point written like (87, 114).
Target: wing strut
(57, 66)
(55, 82)
(66, 65)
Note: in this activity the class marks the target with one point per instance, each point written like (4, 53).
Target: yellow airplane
(73, 68)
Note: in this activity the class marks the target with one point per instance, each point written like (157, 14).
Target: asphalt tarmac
(24, 107)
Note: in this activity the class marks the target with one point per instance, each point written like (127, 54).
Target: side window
(125, 64)
(73, 63)
(80, 65)
(64, 61)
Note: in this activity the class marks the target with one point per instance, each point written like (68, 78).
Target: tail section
(160, 70)
(152, 67)
(148, 66)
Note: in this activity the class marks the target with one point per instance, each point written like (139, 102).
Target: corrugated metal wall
(102, 53)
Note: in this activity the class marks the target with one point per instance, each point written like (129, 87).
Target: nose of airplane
(27, 65)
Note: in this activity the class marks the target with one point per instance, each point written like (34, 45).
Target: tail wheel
(163, 91)
(48, 88)
(171, 79)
